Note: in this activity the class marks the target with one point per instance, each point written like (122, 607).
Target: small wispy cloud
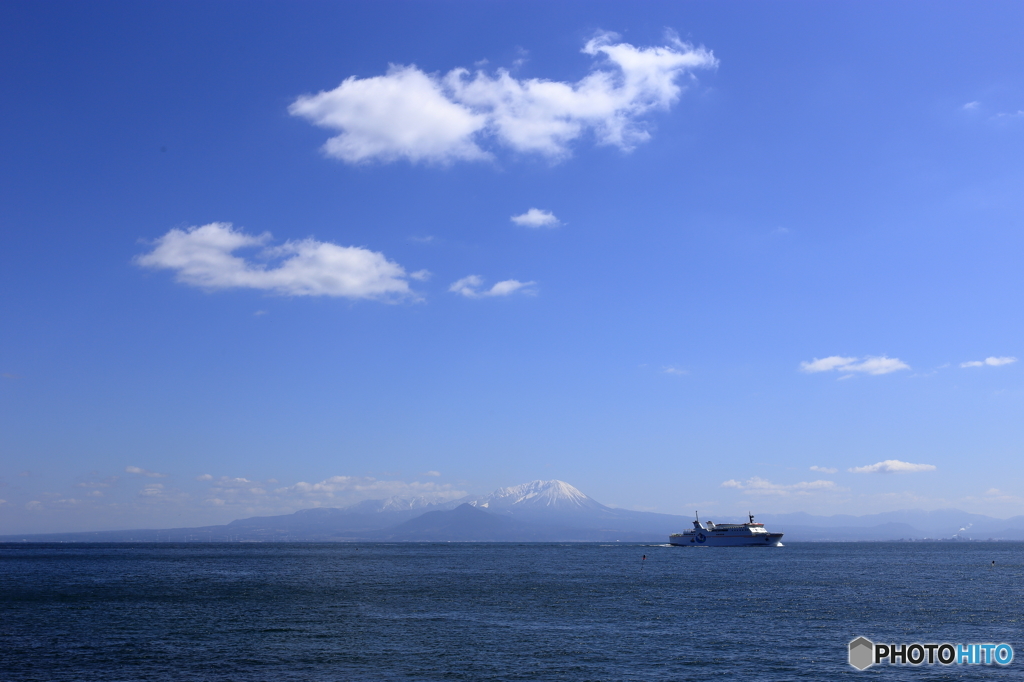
(204, 477)
(970, 106)
(143, 472)
(431, 473)
(997, 495)
(105, 483)
(991, 362)
(675, 371)
(760, 486)
(824, 470)
(470, 287)
(892, 466)
(536, 218)
(869, 365)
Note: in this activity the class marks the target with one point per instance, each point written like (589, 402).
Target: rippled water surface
(497, 611)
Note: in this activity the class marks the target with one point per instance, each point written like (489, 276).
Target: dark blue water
(497, 611)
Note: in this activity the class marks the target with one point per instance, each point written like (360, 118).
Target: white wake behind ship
(726, 535)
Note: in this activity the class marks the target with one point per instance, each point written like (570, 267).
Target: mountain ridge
(542, 511)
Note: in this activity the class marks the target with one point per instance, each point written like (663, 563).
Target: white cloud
(421, 275)
(153, 489)
(824, 470)
(991, 362)
(204, 257)
(869, 365)
(229, 481)
(536, 218)
(143, 472)
(204, 477)
(349, 489)
(470, 287)
(405, 114)
(409, 114)
(971, 105)
(431, 473)
(106, 483)
(760, 486)
(826, 364)
(677, 371)
(997, 495)
(891, 466)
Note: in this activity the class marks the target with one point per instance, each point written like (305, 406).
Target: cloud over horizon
(869, 365)
(352, 489)
(205, 257)
(419, 117)
(892, 466)
(759, 486)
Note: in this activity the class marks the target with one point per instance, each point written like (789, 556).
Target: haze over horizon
(261, 258)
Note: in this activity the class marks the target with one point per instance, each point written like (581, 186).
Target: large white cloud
(869, 365)
(409, 114)
(892, 466)
(205, 257)
(405, 114)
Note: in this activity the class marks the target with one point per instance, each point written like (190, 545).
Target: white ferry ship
(726, 535)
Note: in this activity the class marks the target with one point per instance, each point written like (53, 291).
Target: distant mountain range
(542, 511)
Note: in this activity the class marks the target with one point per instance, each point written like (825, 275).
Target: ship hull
(712, 539)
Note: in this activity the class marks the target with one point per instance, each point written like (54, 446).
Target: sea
(463, 611)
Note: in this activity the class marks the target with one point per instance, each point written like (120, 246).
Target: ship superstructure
(726, 535)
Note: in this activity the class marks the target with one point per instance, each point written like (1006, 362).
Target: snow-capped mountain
(538, 497)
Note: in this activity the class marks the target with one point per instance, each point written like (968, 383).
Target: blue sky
(258, 257)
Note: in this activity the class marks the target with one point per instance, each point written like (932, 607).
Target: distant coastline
(544, 511)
